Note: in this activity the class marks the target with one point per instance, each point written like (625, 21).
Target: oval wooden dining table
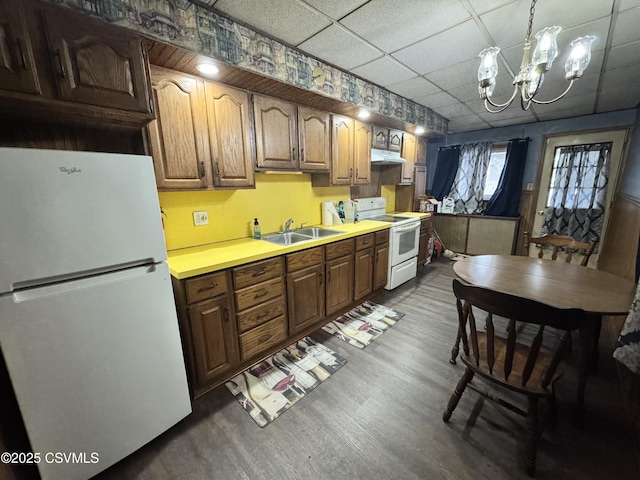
(558, 284)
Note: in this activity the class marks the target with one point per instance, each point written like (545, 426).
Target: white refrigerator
(88, 326)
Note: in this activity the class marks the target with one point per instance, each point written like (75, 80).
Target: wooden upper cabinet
(97, 64)
(17, 66)
(314, 139)
(421, 158)
(395, 140)
(180, 151)
(380, 138)
(409, 153)
(342, 146)
(276, 137)
(362, 153)
(230, 136)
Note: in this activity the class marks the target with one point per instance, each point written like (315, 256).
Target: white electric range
(404, 238)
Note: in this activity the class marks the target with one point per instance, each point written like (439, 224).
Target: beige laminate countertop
(192, 261)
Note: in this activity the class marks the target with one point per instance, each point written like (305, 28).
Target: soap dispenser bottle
(256, 229)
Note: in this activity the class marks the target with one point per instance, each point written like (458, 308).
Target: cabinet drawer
(340, 249)
(382, 237)
(256, 294)
(257, 272)
(260, 314)
(206, 286)
(261, 338)
(305, 258)
(364, 241)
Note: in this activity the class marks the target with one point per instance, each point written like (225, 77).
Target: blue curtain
(505, 201)
(446, 168)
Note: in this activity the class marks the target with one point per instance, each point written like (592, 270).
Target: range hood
(386, 157)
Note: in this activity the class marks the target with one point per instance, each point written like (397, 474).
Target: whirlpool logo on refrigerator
(70, 170)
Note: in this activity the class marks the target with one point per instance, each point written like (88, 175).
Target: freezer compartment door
(96, 366)
(65, 214)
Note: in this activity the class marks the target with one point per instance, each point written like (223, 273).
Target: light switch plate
(200, 218)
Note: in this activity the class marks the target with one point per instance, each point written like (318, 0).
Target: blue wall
(630, 183)
(537, 131)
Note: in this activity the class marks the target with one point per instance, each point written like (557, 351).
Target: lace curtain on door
(577, 196)
(468, 186)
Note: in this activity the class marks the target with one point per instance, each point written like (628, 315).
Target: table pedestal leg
(586, 334)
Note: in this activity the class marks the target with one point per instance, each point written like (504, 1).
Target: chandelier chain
(531, 13)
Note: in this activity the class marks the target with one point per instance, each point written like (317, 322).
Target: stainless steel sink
(302, 235)
(317, 232)
(287, 238)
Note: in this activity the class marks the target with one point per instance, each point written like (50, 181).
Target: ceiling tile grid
(428, 51)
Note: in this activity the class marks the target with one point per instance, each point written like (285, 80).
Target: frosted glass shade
(546, 49)
(579, 57)
(488, 66)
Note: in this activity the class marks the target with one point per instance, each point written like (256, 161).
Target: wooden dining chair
(571, 246)
(522, 363)
(560, 242)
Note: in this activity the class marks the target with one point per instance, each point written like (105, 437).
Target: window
(494, 170)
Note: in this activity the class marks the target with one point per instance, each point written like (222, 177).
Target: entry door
(617, 137)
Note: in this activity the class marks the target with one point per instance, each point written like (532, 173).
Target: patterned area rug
(363, 324)
(268, 389)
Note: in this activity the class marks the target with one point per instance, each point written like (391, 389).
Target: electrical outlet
(200, 218)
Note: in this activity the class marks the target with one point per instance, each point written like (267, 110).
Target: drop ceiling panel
(336, 9)
(463, 42)
(391, 25)
(508, 25)
(329, 45)
(624, 56)
(436, 45)
(384, 71)
(299, 23)
(626, 27)
(414, 88)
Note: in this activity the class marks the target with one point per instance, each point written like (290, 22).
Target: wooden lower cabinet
(259, 287)
(363, 266)
(381, 259)
(339, 274)
(214, 344)
(232, 318)
(305, 288)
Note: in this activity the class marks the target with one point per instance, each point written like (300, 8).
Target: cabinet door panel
(17, 67)
(214, 340)
(363, 277)
(395, 140)
(342, 143)
(381, 265)
(178, 136)
(305, 296)
(230, 136)
(362, 154)
(409, 153)
(276, 143)
(314, 139)
(97, 65)
(339, 283)
(380, 137)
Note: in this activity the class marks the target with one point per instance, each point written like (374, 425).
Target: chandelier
(533, 67)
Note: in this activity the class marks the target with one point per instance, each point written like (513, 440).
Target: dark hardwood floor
(380, 417)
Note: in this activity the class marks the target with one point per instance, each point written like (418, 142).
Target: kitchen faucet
(288, 224)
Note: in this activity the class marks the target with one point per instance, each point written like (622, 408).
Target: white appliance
(88, 326)
(404, 239)
(386, 157)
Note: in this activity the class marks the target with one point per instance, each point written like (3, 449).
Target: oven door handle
(406, 227)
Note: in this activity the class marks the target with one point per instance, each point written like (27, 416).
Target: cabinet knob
(302, 155)
(201, 170)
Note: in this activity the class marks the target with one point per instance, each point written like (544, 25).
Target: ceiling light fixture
(364, 114)
(207, 68)
(533, 67)
(419, 130)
